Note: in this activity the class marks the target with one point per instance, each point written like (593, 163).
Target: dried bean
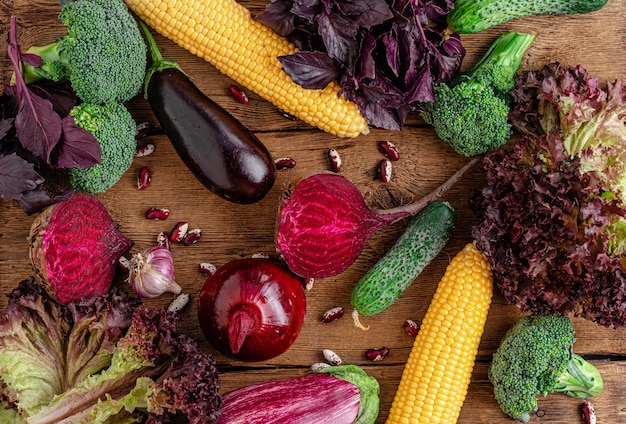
(308, 283)
(145, 149)
(332, 314)
(319, 366)
(411, 327)
(238, 94)
(335, 160)
(178, 232)
(390, 150)
(207, 268)
(157, 213)
(377, 354)
(384, 170)
(178, 303)
(589, 413)
(285, 163)
(124, 263)
(331, 357)
(192, 236)
(144, 178)
(163, 239)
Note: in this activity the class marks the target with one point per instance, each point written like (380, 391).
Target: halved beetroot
(74, 247)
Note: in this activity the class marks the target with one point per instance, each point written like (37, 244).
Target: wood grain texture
(230, 231)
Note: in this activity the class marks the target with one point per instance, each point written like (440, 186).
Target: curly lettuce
(552, 215)
(105, 359)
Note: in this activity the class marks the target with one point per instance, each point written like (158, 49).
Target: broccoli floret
(471, 111)
(114, 128)
(103, 53)
(535, 357)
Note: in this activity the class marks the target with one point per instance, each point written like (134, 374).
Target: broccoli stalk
(471, 111)
(535, 357)
(102, 54)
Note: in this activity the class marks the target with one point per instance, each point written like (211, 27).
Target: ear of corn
(223, 33)
(437, 374)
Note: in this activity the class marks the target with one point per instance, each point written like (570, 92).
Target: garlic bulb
(152, 272)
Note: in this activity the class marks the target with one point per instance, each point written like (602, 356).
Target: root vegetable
(74, 247)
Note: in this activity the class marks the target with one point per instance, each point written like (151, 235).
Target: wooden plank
(232, 231)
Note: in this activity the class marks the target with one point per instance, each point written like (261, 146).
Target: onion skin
(74, 248)
(252, 309)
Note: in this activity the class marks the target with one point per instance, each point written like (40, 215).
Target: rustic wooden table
(230, 231)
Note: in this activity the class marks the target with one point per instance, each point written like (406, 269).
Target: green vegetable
(471, 16)
(114, 128)
(106, 359)
(425, 236)
(103, 54)
(535, 357)
(471, 111)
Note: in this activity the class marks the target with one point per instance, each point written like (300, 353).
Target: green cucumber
(471, 16)
(425, 236)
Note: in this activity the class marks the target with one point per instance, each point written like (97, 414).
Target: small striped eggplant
(343, 394)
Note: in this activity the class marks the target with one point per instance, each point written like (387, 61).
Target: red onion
(324, 222)
(252, 309)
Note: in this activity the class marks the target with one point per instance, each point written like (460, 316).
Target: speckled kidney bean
(157, 213)
(144, 178)
(145, 149)
(192, 236)
(589, 413)
(335, 160)
(390, 150)
(331, 357)
(238, 94)
(384, 170)
(332, 314)
(377, 354)
(178, 231)
(285, 163)
(207, 268)
(163, 239)
(411, 327)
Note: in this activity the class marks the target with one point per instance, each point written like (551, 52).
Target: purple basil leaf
(31, 59)
(277, 16)
(310, 69)
(5, 127)
(17, 176)
(37, 125)
(35, 200)
(60, 93)
(367, 65)
(339, 37)
(392, 53)
(307, 9)
(378, 115)
(366, 13)
(77, 149)
(422, 89)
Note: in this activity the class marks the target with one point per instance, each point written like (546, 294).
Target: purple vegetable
(324, 222)
(342, 394)
(552, 219)
(386, 54)
(252, 309)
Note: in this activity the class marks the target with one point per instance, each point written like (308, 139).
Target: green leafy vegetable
(552, 216)
(105, 359)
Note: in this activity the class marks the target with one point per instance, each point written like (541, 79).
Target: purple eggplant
(219, 150)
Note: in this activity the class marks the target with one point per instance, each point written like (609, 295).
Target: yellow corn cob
(437, 374)
(224, 34)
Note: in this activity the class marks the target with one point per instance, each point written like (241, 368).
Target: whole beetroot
(74, 248)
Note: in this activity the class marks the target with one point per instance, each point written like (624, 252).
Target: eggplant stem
(415, 207)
